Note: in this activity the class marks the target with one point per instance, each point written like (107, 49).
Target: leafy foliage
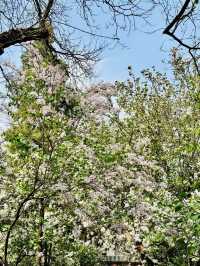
(89, 173)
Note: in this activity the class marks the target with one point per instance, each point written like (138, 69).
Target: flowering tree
(157, 123)
(99, 170)
(43, 111)
(165, 116)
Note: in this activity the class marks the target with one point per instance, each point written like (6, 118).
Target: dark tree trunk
(15, 36)
(44, 249)
(41, 248)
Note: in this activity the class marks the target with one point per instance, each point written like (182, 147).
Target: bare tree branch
(48, 9)
(5, 76)
(16, 36)
(177, 17)
(38, 8)
(172, 27)
(195, 60)
(17, 216)
(29, 17)
(18, 213)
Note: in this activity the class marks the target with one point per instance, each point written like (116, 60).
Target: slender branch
(88, 32)
(38, 8)
(48, 9)
(173, 25)
(5, 76)
(20, 257)
(17, 216)
(175, 22)
(177, 18)
(195, 62)
(41, 233)
(180, 41)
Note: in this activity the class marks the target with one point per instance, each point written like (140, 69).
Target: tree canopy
(108, 169)
(97, 171)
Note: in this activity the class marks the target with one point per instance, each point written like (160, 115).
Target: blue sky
(142, 50)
